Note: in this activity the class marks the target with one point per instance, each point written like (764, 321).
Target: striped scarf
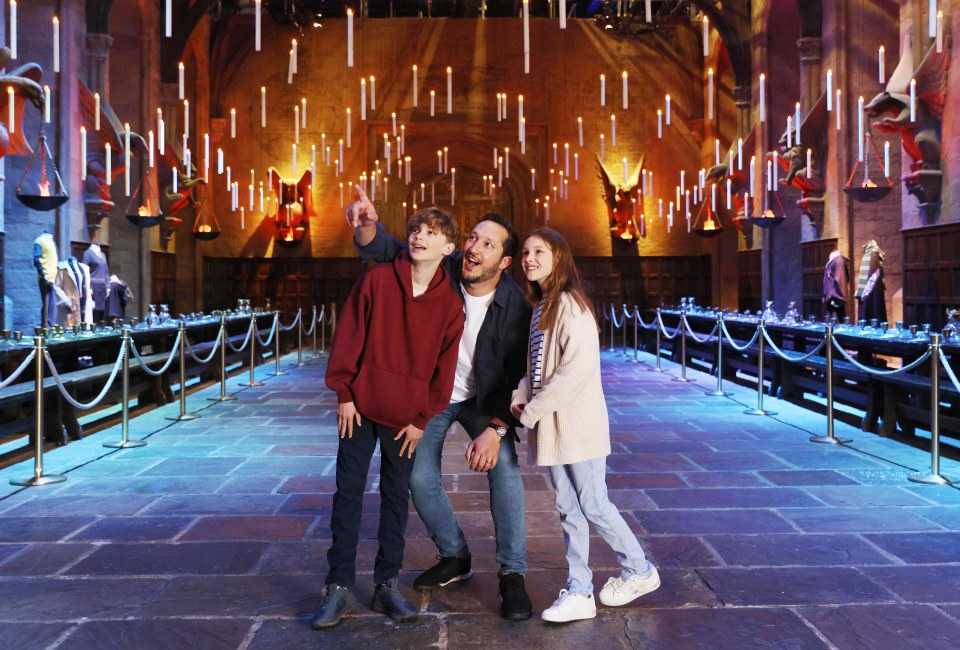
(863, 276)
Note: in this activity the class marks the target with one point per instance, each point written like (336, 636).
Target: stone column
(98, 60)
(743, 96)
(810, 71)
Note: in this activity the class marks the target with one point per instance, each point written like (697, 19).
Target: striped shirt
(536, 350)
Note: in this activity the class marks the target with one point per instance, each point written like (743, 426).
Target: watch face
(501, 431)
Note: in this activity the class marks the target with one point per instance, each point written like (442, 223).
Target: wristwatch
(500, 429)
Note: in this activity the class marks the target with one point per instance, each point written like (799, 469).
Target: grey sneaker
(337, 599)
(388, 600)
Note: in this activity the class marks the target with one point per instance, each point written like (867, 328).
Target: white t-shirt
(475, 310)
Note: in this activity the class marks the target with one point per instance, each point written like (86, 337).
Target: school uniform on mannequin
(94, 258)
(45, 260)
(68, 290)
(835, 287)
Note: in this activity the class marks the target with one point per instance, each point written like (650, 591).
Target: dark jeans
(353, 464)
(48, 303)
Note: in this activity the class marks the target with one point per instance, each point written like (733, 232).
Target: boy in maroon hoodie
(392, 366)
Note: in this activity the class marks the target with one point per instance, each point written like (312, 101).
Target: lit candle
(233, 123)
(96, 112)
(349, 39)
(349, 128)
(176, 175)
(56, 44)
(187, 165)
(257, 28)
(303, 113)
(83, 153)
(363, 99)
(762, 98)
(613, 132)
(219, 160)
(603, 90)
(46, 104)
(415, 87)
(668, 109)
(881, 74)
(746, 205)
(913, 100)
(241, 217)
(624, 170)
(340, 160)
(659, 123)
(624, 76)
(932, 19)
(293, 56)
(939, 32)
(446, 159)
(601, 147)
(449, 90)
(776, 171)
(580, 130)
(228, 176)
(150, 145)
(740, 154)
(393, 119)
(109, 164)
(796, 121)
(753, 172)
(566, 158)
(576, 166)
(886, 159)
(829, 90)
(126, 159)
(526, 36)
(729, 194)
(710, 94)
(373, 93)
(533, 179)
(263, 107)
(161, 133)
(168, 18)
(716, 151)
(296, 124)
(453, 185)
(523, 135)
(860, 129)
(647, 11)
(181, 84)
(713, 196)
(433, 102)
(769, 175)
(706, 37)
(13, 29)
(809, 163)
(506, 154)
(838, 111)
(789, 132)
(186, 118)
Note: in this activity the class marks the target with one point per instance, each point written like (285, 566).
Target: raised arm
(372, 241)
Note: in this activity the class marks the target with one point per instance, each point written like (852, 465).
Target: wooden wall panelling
(163, 280)
(931, 274)
(750, 280)
(813, 259)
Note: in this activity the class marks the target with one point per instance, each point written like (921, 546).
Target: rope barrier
(663, 328)
(613, 317)
(733, 344)
(243, 346)
(66, 395)
(783, 354)
(313, 326)
(693, 334)
(949, 370)
(273, 331)
(216, 345)
(167, 363)
(19, 371)
(881, 373)
(292, 325)
(636, 314)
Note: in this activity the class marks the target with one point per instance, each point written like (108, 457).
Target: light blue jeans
(581, 491)
(507, 501)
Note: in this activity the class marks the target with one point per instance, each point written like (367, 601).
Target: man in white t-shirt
(491, 360)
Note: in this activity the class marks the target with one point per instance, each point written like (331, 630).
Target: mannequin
(94, 258)
(835, 283)
(870, 288)
(68, 289)
(119, 296)
(45, 260)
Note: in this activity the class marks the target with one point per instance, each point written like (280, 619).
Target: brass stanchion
(253, 346)
(125, 442)
(657, 322)
(223, 364)
(613, 324)
(624, 312)
(719, 392)
(636, 339)
(183, 378)
(759, 410)
(313, 333)
(683, 349)
(38, 478)
(299, 337)
(934, 477)
(323, 333)
(276, 345)
(830, 438)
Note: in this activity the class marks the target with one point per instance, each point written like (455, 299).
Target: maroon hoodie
(394, 356)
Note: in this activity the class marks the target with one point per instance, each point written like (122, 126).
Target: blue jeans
(507, 502)
(581, 491)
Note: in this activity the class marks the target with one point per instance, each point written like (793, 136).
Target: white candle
(526, 36)
(789, 132)
(96, 112)
(796, 122)
(939, 32)
(168, 18)
(523, 135)
(303, 113)
(219, 160)
(340, 161)
(533, 179)
(186, 118)
(373, 93)
(710, 94)
(83, 153)
(886, 159)
(624, 170)
(109, 164)
(576, 166)
(769, 175)
(228, 176)
(829, 90)
(776, 171)
(506, 161)
(713, 196)
(603, 90)
(566, 158)
(126, 159)
(293, 56)
(187, 165)
(624, 76)
(563, 14)
(446, 159)
(838, 111)
(150, 145)
(453, 185)
(729, 195)
(706, 37)
(932, 19)
(349, 38)
(647, 11)
(668, 109)
(740, 154)
(296, 124)
(13, 29)
(613, 132)
(176, 175)
(762, 98)
(233, 123)
(393, 120)
(809, 163)
(913, 100)
(499, 107)
(161, 134)
(257, 27)
(181, 83)
(753, 173)
(415, 87)
(56, 44)
(263, 107)
(449, 90)
(433, 102)
(716, 151)
(363, 98)
(746, 205)
(349, 128)
(881, 74)
(860, 129)
(601, 147)
(659, 123)
(580, 130)
(46, 104)
(241, 217)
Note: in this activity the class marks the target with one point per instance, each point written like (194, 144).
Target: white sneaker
(570, 607)
(618, 591)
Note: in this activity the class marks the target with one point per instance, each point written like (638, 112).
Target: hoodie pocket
(388, 397)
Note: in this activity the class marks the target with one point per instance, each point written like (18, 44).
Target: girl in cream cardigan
(560, 400)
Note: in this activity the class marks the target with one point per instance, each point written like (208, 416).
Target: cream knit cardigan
(568, 417)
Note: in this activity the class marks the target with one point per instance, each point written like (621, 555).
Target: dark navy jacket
(500, 357)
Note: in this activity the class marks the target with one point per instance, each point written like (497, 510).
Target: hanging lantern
(709, 225)
(768, 218)
(41, 187)
(868, 191)
(206, 226)
(143, 210)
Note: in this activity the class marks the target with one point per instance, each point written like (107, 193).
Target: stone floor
(214, 535)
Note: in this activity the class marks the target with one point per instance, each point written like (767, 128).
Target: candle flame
(44, 188)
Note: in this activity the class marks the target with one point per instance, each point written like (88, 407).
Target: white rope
(273, 331)
(98, 398)
(329, 320)
(313, 326)
(881, 373)
(167, 363)
(216, 345)
(16, 373)
(663, 328)
(613, 317)
(802, 357)
(245, 340)
(693, 334)
(733, 344)
(946, 366)
(292, 325)
(636, 314)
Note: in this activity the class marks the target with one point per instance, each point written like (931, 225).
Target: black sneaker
(447, 570)
(515, 604)
(335, 602)
(388, 600)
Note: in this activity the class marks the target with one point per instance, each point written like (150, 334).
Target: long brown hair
(563, 279)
